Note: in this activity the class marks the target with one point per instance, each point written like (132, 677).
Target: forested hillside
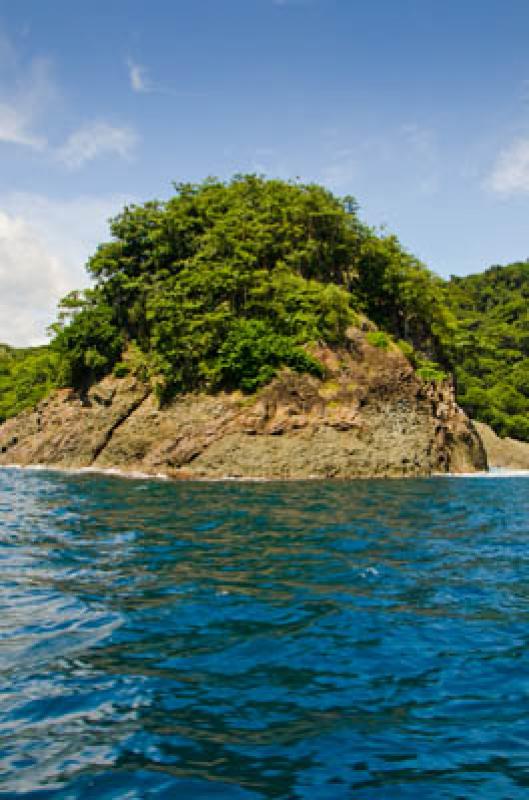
(26, 375)
(492, 359)
(225, 283)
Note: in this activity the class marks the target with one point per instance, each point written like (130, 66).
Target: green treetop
(491, 360)
(225, 283)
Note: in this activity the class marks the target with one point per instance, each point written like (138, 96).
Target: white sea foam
(370, 571)
(113, 471)
(494, 472)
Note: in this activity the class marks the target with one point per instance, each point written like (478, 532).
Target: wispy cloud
(142, 83)
(28, 95)
(15, 128)
(27, 92)
(139, 78)
(510, 174)
(94, 140)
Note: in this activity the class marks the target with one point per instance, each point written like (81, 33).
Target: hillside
(26, 376)
(225, 285)
(254, 328)
(491, 362)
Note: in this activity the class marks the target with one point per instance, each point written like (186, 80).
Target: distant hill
(26, 376)
(491, 362)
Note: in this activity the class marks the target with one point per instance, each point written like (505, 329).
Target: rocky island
(258, 329)
(371, 417)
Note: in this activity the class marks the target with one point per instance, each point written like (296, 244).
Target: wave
(112, 471)
(494, 472)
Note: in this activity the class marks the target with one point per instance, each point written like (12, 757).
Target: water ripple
(254, 641)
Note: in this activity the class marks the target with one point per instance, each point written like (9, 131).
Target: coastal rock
(371, 417)
(503, 453)
(66, 430)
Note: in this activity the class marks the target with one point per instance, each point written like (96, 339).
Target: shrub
(378, 339)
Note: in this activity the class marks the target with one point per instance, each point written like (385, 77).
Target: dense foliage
(26, 376)
(225, 283)
(492, 358)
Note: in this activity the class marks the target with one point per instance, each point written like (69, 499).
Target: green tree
(491, 353)
(223, 270)
(26, 376)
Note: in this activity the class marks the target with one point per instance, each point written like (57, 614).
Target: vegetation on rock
(226, 283)
(491, 364)
(26, 376)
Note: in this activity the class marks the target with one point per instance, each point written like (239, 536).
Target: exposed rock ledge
(372, 418)
(503, 453)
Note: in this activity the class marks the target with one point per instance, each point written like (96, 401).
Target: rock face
(503, 453)
(371, 417)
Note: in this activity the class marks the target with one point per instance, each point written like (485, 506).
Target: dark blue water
(243, 641)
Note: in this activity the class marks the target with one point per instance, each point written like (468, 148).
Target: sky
(418, 108)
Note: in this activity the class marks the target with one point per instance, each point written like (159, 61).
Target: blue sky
(419, 108)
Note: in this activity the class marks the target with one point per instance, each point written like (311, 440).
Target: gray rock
(371, 417)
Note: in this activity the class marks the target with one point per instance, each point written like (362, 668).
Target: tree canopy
(26, 376)
(225, 283)
(491, 362)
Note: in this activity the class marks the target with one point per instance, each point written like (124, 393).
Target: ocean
(245, 641)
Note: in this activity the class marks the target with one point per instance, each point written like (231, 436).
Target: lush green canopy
(26, 376)
(492, 357)
(225, 283)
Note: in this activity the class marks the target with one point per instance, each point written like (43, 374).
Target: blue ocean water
(244, 641)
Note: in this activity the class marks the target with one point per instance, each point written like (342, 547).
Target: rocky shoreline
(371, 417)
(503, 453)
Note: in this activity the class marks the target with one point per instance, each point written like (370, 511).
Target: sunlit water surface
(243, 641)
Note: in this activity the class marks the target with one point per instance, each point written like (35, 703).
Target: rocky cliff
(371, 417)
(503, 453)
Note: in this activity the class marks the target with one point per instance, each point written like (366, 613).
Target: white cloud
(27, 96)
(139, 79)
(96, 139)
(44, 245)
(29, 277)
(510, 174)
(15, 128)
(27, 93)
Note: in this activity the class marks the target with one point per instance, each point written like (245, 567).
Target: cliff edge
(503, 453)
(371, 417)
